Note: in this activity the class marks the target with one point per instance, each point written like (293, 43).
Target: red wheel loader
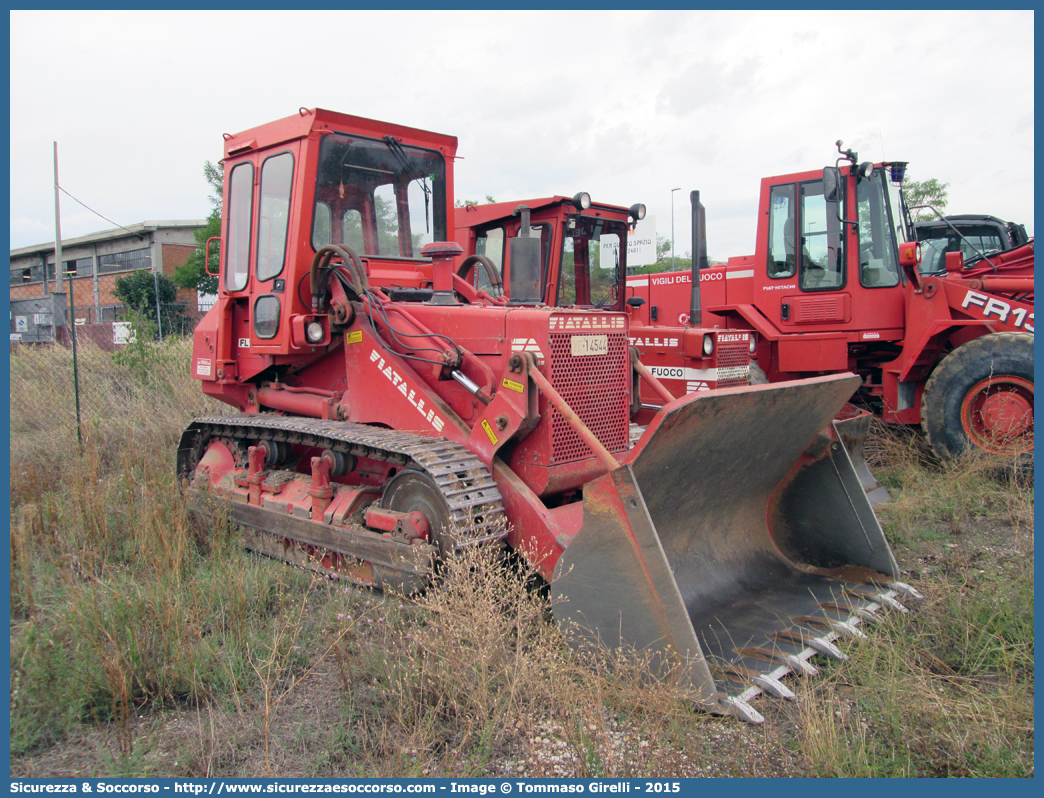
(834, 286)
(386, 420)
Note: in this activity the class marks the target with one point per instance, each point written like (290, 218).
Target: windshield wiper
(412, 174)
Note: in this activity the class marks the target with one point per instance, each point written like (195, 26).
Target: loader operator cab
(971, 234)
(589, 245)
(827, 256)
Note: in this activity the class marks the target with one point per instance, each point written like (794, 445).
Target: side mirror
(206, 256)
(831, 184)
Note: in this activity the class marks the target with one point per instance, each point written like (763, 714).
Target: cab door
(807, 258)
(819, 273)
(801, 279)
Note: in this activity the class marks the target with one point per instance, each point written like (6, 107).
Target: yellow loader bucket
(734, 544)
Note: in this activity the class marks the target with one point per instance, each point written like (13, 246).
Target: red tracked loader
(387, 419)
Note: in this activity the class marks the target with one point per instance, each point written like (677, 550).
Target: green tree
(466, 203)
(926, 192)
(137, 291)
(192, 273)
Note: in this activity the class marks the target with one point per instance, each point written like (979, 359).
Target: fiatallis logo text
(405, 390)
(597, 323)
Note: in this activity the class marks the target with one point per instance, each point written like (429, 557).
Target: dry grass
(142, 646)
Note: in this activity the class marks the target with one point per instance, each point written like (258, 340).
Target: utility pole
(71, 305)
(57, 249)
(57, 230)
(672, 225)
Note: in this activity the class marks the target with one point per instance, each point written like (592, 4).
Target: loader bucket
(734, 544)
(853, 425)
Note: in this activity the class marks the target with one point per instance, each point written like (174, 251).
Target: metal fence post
(76, 373)
(159, 323)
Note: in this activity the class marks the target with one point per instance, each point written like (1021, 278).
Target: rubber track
(473, 498)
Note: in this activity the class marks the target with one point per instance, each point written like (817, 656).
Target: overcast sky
(624, 105)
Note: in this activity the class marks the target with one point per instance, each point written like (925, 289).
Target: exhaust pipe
(699, 256)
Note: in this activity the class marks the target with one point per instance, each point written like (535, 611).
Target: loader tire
(757, 374)
(980, 399)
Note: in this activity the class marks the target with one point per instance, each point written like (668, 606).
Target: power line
(106, 218)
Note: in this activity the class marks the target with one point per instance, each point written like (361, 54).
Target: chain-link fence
(39, 309)
(121, 379)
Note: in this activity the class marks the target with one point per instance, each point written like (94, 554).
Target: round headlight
(753, 343)
(637, 211)
(708, 345)
(314, 332)
(582, 200)
(866, 168)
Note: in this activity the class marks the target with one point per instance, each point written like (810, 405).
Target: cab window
(240, 213)
(380, 197)
(782, 261)
(489, 243)
(822, 265)
(387, 221)
(276, 177)
(594, 255)
(878, 266)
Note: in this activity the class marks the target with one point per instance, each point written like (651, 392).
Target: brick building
(98, 260)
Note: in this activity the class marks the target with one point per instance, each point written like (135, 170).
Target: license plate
(583, 345)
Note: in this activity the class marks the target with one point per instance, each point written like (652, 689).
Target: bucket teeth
(773, 686)
(792, 661)
(859, 611)
(846, 628)
(820, 644)
(802, 666)
(867, 615)
(742, 710)
(841, 627)
(890, 602)
(905, 589)
(767, 682)
(883, 598)
(824, 646)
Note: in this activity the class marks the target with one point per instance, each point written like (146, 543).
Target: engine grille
(733, 363)
(821, 309)
(596, 388)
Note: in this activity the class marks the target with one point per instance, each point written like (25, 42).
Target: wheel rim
(997, 415)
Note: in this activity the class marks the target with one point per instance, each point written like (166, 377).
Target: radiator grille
(596, 388)
(733, 363)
